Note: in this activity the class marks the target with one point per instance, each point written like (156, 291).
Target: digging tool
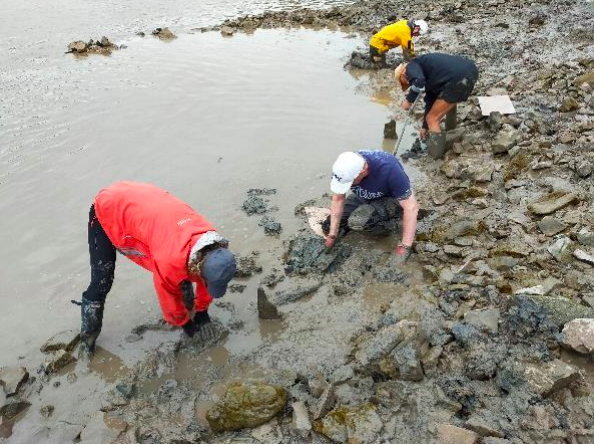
(409, 116)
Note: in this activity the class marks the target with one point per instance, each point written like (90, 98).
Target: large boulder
(578, 335)
(246, 405)
(561, 310)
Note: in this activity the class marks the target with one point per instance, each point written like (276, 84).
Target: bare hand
(406, 105)
(403, 252)
(423, 134)
(329, 242)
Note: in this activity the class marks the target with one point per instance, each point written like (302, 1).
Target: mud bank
(462, 345)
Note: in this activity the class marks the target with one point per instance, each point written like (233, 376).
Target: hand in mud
(189, 328)
(403, 252)
(422, 134)
(406, 105)
(329, 242)
(208, 332)
(204, 325)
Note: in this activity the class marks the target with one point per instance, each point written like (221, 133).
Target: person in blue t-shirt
(380, 191)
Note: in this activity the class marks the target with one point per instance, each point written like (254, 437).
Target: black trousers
(102, 255)
(383, 212)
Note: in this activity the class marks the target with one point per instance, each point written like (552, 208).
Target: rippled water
(203, 116)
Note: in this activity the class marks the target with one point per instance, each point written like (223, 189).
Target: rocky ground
(485, 336)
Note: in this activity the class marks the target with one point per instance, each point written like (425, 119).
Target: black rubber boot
(91, 314)
(436, 145)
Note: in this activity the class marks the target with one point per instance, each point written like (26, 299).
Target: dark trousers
(376, 216)
(103, 258)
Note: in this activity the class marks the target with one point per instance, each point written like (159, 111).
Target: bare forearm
(409, 226)
(336, 210)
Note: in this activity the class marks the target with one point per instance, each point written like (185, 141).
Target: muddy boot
(436, 144)
(451, 120)
(91, 322)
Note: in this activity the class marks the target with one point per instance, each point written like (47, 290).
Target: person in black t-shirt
(446, 80)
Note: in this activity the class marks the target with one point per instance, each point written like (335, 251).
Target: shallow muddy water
(203, 116)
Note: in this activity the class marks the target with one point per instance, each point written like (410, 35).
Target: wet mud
(464, 343)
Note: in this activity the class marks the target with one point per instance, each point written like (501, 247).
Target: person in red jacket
(166, 236)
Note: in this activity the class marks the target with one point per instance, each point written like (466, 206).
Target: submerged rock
(227, 31)
(390, 130)
(578, 335)
(164, 33)
(12, 378)
(103, 46)
(64, 340)
(293, 295)
(271, 226)
(307, 253)
(57, 361)
(247, 265)
(246, 406)
(13, 406)
(266, 310)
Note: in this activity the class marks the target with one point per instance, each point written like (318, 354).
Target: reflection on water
(380, 296)
(204, 117)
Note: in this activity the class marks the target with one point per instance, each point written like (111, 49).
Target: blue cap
(217, 269)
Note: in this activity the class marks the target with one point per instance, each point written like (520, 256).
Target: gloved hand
(189, 328)
(204, 326)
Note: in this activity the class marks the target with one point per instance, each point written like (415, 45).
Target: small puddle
(380, 296)
(108, 366)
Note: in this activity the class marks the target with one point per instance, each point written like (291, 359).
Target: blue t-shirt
(386, 177)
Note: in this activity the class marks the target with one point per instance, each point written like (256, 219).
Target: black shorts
(460, 90)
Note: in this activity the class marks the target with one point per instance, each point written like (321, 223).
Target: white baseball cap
(345, 170)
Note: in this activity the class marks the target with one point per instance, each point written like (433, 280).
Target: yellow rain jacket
(391, 36)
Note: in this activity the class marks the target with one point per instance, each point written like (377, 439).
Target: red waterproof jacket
(157, 231)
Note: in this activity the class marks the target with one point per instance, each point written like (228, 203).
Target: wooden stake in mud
(409, 116)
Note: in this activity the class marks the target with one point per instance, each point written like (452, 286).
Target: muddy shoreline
(473, 341)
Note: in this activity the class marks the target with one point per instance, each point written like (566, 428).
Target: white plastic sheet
(503, 104)
(315, 217)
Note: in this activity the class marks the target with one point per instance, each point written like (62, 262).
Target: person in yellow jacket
(396, 34)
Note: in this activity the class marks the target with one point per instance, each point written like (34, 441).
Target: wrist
(332, 236)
